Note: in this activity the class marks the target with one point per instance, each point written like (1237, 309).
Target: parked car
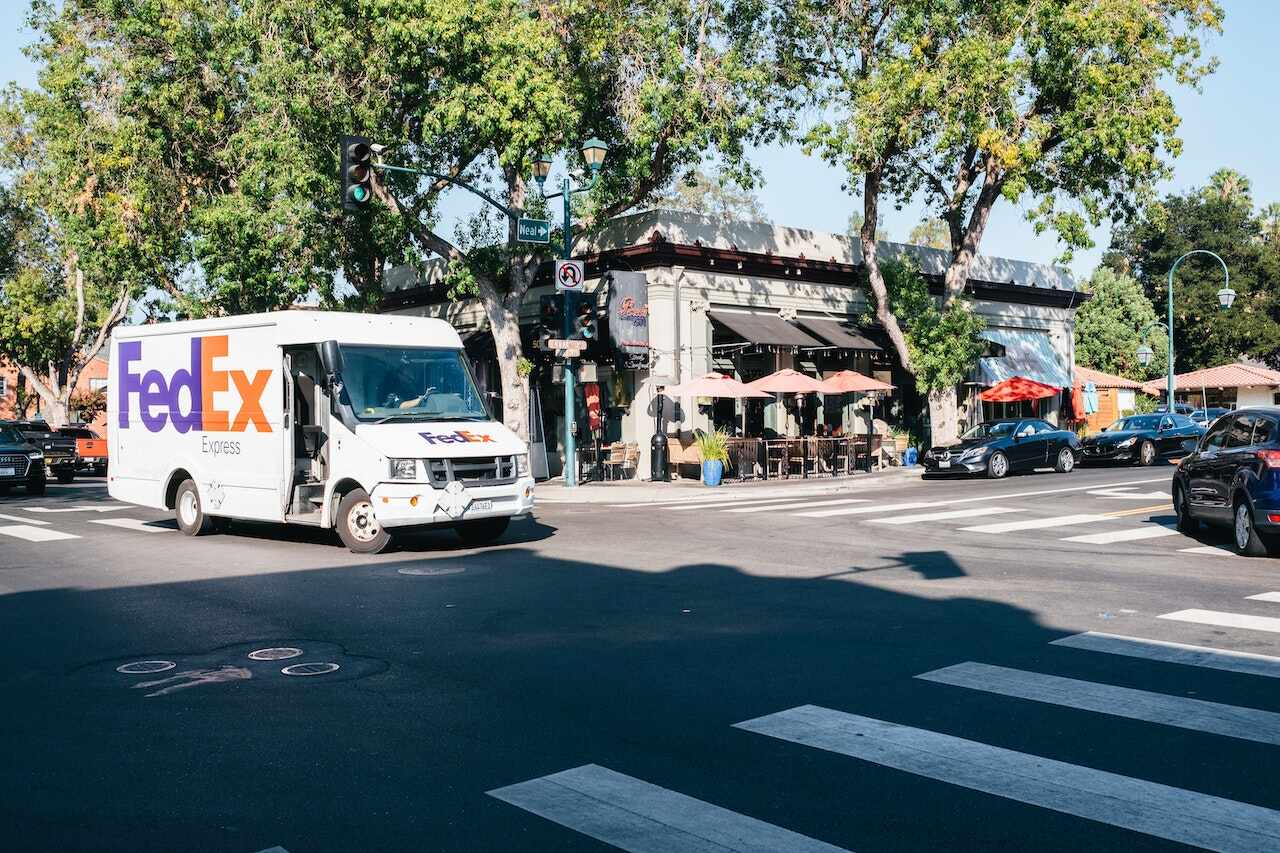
(59, 451)
(21, 462)
(91, 451)
(1178, 408)
(1204, 417)
(1233, 480)
(1142, 439)
(997, 448)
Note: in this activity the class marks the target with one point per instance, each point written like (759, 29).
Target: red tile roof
(1104, 380)
(1237, 375)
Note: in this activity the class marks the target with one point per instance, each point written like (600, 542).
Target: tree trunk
(504, 325)
(943, 416)
(867, 240)
(54, 398)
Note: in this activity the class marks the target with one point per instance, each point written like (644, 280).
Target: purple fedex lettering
(189, 379)
(130, 351)
(155, 393)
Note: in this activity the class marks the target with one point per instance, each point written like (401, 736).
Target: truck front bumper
(418, 504)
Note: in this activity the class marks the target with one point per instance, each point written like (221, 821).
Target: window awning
(834, 333)
(767, 329)
(1027, 353)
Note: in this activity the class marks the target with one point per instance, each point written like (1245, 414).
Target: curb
(554, 492)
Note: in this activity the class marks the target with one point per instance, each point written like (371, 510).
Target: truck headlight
(403, 469)
(1128, 442)
(522, 464)
(35, 456)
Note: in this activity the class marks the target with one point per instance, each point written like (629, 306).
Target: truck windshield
(389, 383)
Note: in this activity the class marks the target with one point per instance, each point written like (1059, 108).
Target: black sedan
(21, 462)
(1142, 439)
(997, 448)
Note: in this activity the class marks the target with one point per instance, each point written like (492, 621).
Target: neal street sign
(533, 230)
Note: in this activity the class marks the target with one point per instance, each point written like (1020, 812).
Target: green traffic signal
(356, 172)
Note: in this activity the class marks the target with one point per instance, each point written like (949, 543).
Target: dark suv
(1233, 479)
(21, 462)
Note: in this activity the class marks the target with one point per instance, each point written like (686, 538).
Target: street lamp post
(593, 151)
(1226, 296)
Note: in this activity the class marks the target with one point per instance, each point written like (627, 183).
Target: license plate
(8, 472)
(944, 463)
(480, 506)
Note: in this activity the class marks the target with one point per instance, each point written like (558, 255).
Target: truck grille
(19, 463)
(472, 471)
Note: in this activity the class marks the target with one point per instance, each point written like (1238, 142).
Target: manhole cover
(310, 669)
(441, 570)
(282, 653)
(143, 667)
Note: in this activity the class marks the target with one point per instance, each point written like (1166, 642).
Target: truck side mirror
(331, 358)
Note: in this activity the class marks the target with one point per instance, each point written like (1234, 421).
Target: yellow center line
(1139, 511)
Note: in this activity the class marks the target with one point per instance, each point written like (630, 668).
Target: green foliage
(714, 195)
(1222, 222)
(944, 344)
(1144, 404)
(1108, 328)
(713, 446)
(931, 232)
(853, 228)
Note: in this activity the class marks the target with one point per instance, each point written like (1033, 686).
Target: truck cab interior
(307, 416)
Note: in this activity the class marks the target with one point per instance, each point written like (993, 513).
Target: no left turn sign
(569, 275)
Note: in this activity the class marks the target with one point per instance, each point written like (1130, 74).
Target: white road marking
(1195, 714)
(789, 507)
(1248, 663)
(1125, 494)
(1162, 811)
(132, 524)
(1210, 550)
(724, 503)
(20, 520)
(35, 534)
(1222, 620)
(943, 516)
(1130, 535)
(864, 510)
(632, 814)
(1264, 596)
(1040, 492)
(91, 508)
(1036, 523)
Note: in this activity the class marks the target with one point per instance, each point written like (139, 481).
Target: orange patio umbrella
(1016, 389)
(850, 382)
(788, 381)
(713, 385)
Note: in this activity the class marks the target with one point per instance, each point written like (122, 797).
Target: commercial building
(1228, 386)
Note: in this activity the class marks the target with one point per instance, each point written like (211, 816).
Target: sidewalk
(639, 491)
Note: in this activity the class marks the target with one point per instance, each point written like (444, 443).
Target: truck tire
(36, 488)
(358, 527)
(482, 531)
(66, 476)
(188, 511)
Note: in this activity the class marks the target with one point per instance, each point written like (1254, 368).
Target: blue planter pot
(712, 471)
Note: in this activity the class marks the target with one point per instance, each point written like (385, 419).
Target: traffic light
(357, 172)
(550, 320)
(585, 326)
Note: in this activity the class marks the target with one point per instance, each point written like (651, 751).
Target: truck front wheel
(188, 511)
(482, 531)
(358, 527)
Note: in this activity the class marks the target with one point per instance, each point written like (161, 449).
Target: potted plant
(901, 440)
(713, 447)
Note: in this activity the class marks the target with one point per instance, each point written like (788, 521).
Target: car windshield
(997, 429)
(1136, 422)
(9, 435)
(410, 384)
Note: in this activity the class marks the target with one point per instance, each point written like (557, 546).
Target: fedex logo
(159, 400)
(460, 437)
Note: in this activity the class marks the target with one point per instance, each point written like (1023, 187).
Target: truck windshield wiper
(439, 418)
(389, 418)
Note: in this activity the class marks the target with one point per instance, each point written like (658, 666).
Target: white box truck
(368, 424)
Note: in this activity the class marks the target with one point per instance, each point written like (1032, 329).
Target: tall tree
(1108, 328)
(715, 195)
(932, 233)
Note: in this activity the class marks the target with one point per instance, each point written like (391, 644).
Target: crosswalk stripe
(1222, 620)
(20, 520)
(789, 507)
(943, 516)
(723, 503)
(1162, 811)
(1249, 663)
(35, 534)
(90, 508)
(1210, 550)
(1035, 523)
(132, 524)
(634, 815)
(1195, 714)
(1131, 535)
(864, 510)
(1264, 596)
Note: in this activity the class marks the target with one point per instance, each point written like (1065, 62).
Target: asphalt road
(723, 674)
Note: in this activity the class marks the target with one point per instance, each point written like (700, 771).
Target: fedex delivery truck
(367, 424)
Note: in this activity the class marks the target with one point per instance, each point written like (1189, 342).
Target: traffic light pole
(570, 365)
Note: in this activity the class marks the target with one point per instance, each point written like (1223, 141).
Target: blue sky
(1233, 122)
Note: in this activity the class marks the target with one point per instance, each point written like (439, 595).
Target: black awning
(836, 334)
(768, 329)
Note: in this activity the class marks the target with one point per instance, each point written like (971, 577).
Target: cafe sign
(628, 310)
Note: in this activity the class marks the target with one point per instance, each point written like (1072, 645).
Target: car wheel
(1147, 454)
(188, 511)
(482, 531)
(1066, 461)
(1182, 509)
(35, 487)
(358, 526)
(66, 476)
(997, 465)
(1248, 541)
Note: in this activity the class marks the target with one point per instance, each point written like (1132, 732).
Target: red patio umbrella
(788, 381)
(850, 381)
(1015, 389)
(713, 385)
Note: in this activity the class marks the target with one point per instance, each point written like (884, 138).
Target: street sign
(533, 230)
(569, 275)
(566, 345)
